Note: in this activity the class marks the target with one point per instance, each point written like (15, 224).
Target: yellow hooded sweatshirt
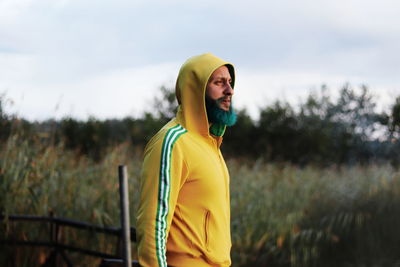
(183, 219)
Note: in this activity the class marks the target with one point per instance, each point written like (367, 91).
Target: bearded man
(183, 217)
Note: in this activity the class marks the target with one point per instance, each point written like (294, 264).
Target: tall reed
(281, 215)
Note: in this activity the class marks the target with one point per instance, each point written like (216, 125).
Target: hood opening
(191, 88)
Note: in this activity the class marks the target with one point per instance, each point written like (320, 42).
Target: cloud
(56, 47)
(114, 94)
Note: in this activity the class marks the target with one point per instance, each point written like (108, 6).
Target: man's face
(219, 87)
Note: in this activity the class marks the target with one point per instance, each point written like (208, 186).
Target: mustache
(219, 100)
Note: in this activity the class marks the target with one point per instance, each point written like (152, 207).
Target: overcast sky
(108, 58)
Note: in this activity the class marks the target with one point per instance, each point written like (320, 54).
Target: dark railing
(125, 234)
(57, 246)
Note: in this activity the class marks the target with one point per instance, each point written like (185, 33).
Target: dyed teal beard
(217, 115)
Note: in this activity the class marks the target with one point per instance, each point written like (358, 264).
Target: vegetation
(321, 130)
(282, 215)
(316, 185)
(42, 179)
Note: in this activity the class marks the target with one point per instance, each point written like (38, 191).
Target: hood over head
(191, 88)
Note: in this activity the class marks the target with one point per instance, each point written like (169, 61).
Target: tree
(394, 121)
(165, 106)
(276, 132)
(5, 120)
(239, 139)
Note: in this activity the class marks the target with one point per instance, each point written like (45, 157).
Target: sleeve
(163, 174)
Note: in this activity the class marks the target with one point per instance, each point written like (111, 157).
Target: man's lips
(226, 100)
(225, 104)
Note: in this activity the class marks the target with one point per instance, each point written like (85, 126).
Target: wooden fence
(125, 233)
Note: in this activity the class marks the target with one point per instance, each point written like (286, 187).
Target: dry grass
(282, 215)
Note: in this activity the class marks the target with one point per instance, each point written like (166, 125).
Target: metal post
(125, 226)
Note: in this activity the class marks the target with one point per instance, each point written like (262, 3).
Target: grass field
(282, 215)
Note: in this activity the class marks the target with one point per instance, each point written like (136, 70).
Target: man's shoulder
(168, 134)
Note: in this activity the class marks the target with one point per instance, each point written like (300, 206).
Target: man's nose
(228, 89)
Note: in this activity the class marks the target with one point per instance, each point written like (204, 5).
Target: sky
(108, 59)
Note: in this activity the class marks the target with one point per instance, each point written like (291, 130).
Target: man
(183, 218)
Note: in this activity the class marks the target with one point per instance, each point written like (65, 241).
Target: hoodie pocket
(206, 229)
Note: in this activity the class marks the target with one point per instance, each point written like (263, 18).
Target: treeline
(320, 130)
